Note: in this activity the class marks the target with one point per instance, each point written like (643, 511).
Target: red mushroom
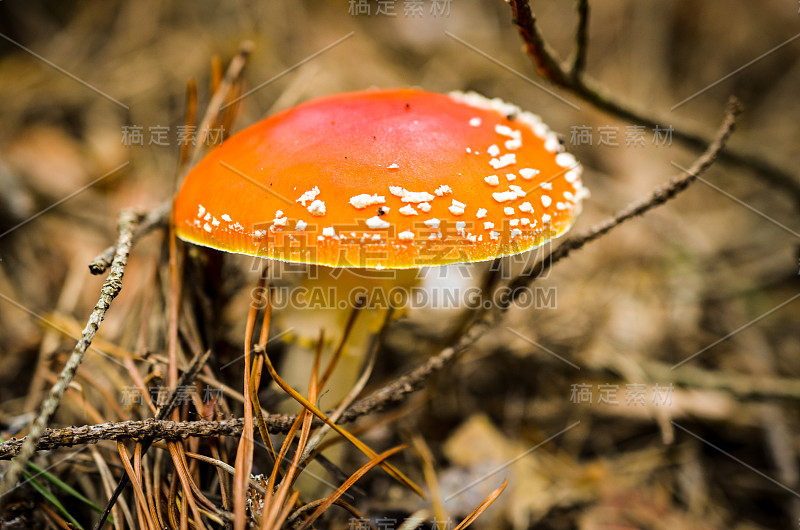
(384, 179)
(380, 179)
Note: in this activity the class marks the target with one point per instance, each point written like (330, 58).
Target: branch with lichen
(126, 430)
(571, 77)
(743, 386)
(128, 221)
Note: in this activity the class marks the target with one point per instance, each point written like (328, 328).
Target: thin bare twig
(657, 197)
(581, 41)
(111, 287)
(544, 57)
(571, 78)
(156, 218)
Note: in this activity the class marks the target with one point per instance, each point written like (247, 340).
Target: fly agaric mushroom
(377, 179)
(380, 179)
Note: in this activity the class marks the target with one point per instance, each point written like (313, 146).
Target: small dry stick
(139, 429)
(581, 39)
(128, 220)
(658, 197)
(155, 219)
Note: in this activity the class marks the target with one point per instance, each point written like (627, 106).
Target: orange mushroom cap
(384, 179)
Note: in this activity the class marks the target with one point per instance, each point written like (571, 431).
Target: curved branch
(571, 78)
(581, 41)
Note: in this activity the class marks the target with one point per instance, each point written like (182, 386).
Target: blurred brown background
(76, 77)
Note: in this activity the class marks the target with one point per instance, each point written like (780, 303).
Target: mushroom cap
(393, 179)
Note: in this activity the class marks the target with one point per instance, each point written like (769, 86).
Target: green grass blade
(47, 494)
(66, 488)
